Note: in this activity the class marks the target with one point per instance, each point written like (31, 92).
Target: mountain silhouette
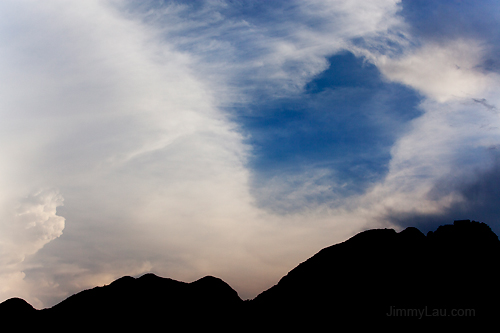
(384, 276)
(378, 275)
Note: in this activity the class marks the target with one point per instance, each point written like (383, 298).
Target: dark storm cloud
(479, 200)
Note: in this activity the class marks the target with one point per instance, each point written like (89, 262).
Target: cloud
(451, 143)
(26, 225)
(476, 197)
(442, 72)
(132, 113)
(129, 137)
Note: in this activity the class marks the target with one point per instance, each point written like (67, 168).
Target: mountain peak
(15, 305)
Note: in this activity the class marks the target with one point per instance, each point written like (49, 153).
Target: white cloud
(26, 225)
(98, 107)
(440, 71)
(121, 131)
(454, 136)
(459, 126)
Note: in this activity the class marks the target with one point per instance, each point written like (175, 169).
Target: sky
(235, 138)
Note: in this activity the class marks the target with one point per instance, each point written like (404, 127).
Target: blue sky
(235, 138)
(344, 121)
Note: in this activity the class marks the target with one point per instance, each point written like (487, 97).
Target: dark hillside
(375, 276)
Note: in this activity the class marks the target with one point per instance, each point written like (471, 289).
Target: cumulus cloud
(26, 225)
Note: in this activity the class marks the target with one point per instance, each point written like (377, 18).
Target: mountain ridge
(377, 274)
